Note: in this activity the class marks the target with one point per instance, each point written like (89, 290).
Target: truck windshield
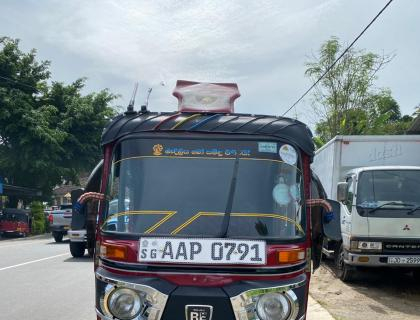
(389, 189)
(187, 187)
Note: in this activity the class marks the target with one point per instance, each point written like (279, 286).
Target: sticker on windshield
(269, 147)
(281, 193)
(288, 154)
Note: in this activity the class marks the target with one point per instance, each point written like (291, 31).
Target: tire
(91, 252)
(77, 249)
(343, 270)
(58, 237)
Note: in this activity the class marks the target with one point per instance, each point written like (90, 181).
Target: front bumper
(228, 303)
(376, 260)
(77, 235)
(59, 229)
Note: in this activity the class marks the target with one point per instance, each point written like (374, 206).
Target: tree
(48, 133)
(342, 95)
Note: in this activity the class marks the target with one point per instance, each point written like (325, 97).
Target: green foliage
(48, 132)
(38, 218)
(346, 100)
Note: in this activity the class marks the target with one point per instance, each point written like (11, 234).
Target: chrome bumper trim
(353, 259)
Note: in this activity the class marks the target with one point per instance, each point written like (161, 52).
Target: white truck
(376, 179)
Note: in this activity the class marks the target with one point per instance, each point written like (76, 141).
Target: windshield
(200, 187)
(390, 189)
(13, 217)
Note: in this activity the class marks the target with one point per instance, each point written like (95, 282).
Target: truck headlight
(366, 245)
(273, 306)
(124, 304)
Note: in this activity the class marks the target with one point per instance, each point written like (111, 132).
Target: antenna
(130, 108)
(146, 102)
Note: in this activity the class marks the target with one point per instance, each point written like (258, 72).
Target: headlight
(273, 306)
(366, 245)
(125, 304)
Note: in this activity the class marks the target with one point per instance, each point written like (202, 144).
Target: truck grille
(401, 247)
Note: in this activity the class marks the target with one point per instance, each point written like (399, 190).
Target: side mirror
(342, 189)
(331, 224)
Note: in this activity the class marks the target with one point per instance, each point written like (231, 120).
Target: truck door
(346, 209)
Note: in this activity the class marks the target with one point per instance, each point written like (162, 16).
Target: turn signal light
(113, 251)
(291, 256)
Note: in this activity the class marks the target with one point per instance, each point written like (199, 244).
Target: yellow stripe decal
(185, 120)
(168, 215)
(237, 214)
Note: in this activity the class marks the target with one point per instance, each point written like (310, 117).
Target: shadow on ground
(85, 258)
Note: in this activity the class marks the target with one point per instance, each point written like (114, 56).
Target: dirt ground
(375, 294)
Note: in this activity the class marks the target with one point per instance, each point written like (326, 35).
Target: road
(41, 281)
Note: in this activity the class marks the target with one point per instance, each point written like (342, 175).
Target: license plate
(202, 251)
(404, 260)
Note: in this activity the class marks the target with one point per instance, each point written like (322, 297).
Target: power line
(18, 82)
(341, 55)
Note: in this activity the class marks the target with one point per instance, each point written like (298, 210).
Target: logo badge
(157, 150)
(198, 312)
(406, 228)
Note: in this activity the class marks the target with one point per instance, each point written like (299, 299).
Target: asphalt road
(40, 280)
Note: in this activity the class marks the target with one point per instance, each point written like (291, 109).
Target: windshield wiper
(411, 211)
(229, 204)
(391, 203)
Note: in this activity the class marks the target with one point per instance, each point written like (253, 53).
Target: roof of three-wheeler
(246, 124)
(208, 108)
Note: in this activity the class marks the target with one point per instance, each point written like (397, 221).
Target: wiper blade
(229, 204)
(413, 209)
(389, 204)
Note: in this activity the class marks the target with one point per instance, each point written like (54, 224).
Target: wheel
(77, 249)
(58, 237)
(91, 251)
(343, 270)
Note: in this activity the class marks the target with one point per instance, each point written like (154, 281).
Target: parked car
(60, 221)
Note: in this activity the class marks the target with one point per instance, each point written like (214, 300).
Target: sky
(261, 45)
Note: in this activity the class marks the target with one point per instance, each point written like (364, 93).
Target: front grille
(401, 247)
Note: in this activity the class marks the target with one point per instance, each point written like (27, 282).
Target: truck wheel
(58, 237)
(77, 249)
(343, 270)
(91, 252)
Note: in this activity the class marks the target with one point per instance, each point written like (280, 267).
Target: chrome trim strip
(206, 274)
(303, 263)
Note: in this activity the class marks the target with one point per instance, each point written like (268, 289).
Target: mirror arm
(329, 215)
(78, 206)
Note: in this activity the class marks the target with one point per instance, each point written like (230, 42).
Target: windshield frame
(387, 211)
(211, 137)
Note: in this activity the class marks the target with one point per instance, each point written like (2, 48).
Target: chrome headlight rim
(138, 303)
(283, 306)
(246, 301)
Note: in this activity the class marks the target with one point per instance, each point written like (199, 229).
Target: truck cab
(380, 219)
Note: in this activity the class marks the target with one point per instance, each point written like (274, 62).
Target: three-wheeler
(16, 222)
(207, 214)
